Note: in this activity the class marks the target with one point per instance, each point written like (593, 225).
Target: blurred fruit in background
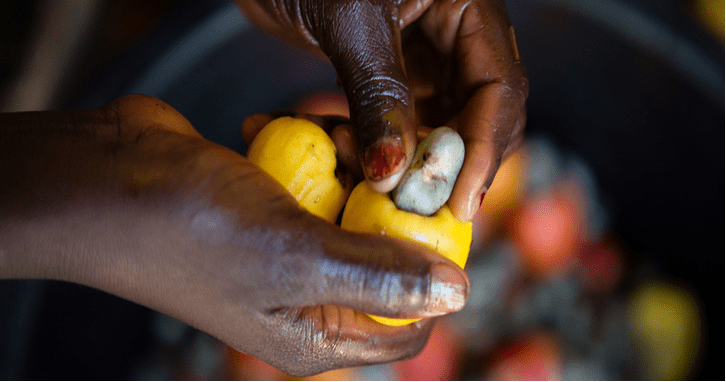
(245, 367)
(440, 360)
(508, 185)
(548, 230)
(599, 267)
(710, 13)
(502, 197)
(531, 357)
(347, 374)
(667, 328)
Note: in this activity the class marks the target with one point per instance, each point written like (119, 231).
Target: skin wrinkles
(359, 33)
(328, 344)
(390, 290)
(301, 20)
(379, 86)
(277, 261)
(373, 107)
(374, 87)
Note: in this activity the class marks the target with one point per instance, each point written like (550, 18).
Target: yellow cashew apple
(369, 211)
(301, 156)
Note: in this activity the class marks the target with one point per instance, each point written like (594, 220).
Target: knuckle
(139, 112)
(378, 92)
(402, 292)
(519, 80)
(380, 106)
(515, 88)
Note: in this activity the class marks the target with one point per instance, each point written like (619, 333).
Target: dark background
(634, 87)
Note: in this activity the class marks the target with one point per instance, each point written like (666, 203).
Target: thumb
(362, 40)
(385, 276)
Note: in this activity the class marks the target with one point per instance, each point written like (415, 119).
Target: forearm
(50, 164)
(79, 196)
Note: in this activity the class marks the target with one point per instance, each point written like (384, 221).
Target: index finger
(491, 71)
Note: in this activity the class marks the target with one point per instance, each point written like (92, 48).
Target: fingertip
(464, 210)
(385, 162)
(386, 184)
(471, 186)
(449, 290)
(459, 211)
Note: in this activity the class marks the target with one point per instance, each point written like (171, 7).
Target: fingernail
(384, 158)
(447, 294)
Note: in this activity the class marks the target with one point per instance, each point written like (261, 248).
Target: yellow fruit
(711, 15)
(301, 157)
(369, 211)
(667, 326)
(508, 186)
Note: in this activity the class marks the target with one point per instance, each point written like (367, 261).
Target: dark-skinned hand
(130, 199)
(411, 63)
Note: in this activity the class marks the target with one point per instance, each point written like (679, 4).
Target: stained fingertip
(384, 163)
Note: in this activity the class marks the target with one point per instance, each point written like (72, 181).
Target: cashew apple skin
(369, 211)
(301, 156)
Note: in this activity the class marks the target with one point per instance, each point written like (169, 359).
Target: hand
(406, 63)
(130, 199)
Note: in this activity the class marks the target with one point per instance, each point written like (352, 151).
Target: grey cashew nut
(427, 184)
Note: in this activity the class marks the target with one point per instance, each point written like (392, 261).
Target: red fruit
(548, 230)
(440, 360)
(245, 367)
(599, 267)
(535, 357)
